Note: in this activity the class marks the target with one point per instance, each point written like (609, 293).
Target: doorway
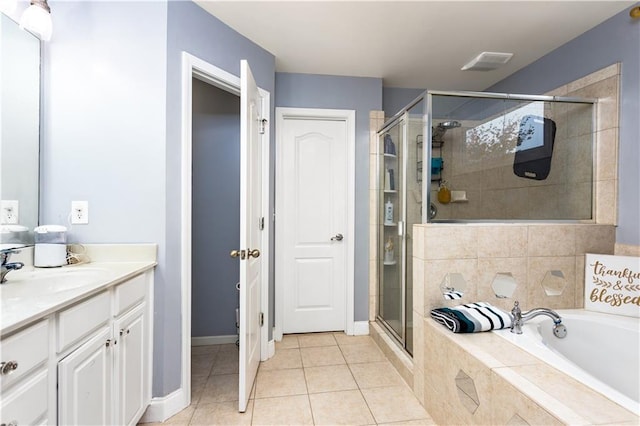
(254, 116)
(215, 214)
(315, 203)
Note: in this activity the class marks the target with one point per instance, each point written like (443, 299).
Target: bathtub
(601, 351)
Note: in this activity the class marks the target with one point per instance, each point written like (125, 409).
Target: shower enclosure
(475, 157)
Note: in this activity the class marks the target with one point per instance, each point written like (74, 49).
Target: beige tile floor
(319, 378)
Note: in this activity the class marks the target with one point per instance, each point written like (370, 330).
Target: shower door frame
(401, 118)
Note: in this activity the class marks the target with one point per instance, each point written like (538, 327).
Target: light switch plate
(9, 211)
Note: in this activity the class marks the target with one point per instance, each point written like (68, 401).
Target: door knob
(338, 237)
(238, 253)
(253, 253)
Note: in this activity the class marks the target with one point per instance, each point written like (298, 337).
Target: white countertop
(33, 293)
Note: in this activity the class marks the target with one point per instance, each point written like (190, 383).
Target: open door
(250, 232)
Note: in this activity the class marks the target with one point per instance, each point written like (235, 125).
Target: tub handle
(560, 331)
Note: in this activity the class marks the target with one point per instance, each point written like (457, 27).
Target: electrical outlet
(9, 211)
(79, 212)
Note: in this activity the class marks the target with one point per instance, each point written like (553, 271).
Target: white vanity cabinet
(24, 376)
(106, 379)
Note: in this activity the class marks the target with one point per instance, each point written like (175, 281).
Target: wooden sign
(612, 284)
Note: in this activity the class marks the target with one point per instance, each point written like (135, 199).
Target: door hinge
(263, 125)
(261, 223)
(261, 319)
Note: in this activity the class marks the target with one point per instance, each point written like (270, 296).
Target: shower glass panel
(475, 156)
(401, 175)
(512, 159)
(391, 242)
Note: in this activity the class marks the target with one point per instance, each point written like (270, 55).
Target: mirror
(504, 285)
(453, 286)
(19, 133)
(554, 283)
(467, 391)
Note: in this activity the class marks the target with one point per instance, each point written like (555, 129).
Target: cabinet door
(84, 383)
(26, 403)
(131, 366)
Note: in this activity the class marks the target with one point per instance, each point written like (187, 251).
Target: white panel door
(250, 231)
(313, 224)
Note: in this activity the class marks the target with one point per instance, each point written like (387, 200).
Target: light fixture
(487, 61)
(635, 12)
(37, 18)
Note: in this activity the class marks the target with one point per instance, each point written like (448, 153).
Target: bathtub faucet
(518, 318)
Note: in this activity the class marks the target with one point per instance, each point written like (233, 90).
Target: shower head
(449, 124)
(437, 133)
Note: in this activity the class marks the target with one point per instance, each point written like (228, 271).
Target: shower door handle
(338, 237)
(400, 228)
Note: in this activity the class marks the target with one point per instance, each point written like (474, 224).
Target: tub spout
(519, 318)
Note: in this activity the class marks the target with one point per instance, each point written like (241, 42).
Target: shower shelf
(390, 191)
(389, 263)
(390, 155)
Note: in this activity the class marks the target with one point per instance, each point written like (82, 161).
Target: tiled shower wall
(494, 191)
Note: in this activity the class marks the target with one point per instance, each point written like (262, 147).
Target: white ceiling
(412, 44)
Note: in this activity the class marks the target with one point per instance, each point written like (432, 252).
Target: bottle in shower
(388, 212)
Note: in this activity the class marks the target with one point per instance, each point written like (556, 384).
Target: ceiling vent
(487, 61)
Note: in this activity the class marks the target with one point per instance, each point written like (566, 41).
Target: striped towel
(450, 295)
(472, 318)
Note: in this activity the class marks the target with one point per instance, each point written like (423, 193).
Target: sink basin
(56, 280)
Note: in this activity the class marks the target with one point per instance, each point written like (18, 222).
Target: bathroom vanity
(76, 343)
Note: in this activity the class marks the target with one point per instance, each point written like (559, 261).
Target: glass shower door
(391, 263)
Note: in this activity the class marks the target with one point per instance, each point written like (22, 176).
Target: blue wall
(191, 29)
(216, 210)
(395, 98)
(104, 132)
(615, 40)
(362, 95)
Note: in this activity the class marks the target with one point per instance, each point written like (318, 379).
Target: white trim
(272, 348)
(161, 408)
(264, 291)
(361, 328)
(349, 117)
(202, 70)
(213, 340)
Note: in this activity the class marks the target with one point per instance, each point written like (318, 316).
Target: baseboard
(163, 407)
(213, 340)
(360, 328)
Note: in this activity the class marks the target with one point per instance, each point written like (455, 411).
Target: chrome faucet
(5, 254)
(518, 318)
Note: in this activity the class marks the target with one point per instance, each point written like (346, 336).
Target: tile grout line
(358, 385)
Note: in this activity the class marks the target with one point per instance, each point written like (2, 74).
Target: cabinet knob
(128, 330)
(121, 331)
(8, 367)
(12, 423)
(108, 343)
